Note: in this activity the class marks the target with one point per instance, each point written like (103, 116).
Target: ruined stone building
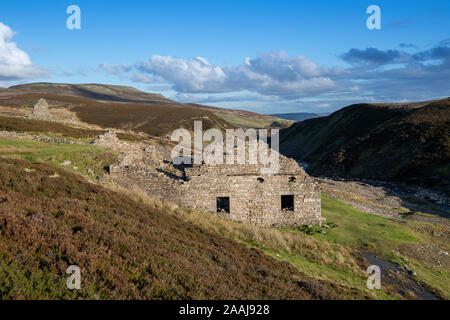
(242, 193)
(236, 192)
(40, 111)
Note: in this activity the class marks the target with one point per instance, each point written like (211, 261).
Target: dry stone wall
(156, 183)
(31, 136)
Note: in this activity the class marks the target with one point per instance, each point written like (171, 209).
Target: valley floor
(390, 200)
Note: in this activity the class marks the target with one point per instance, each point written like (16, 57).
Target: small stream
(399, 278)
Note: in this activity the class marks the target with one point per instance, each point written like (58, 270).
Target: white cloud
(137, 77)
(14, 63)
(269, 74)
(187, 75)
(116, 69)
(384, 75)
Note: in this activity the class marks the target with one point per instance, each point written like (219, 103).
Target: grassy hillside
(397, 241)
(113, 93)
(335, 253)
(409, 143)
(52, 218)
(125, 249)
(246, 119)
(31, 125)
(93, 91)
(156, 119)
(86, 160)
(54, 129)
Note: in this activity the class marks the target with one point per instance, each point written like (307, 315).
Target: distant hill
(299, 116)
(124, 94)
(93, 91)
(156, 119)
(392, 142)
(246, 119)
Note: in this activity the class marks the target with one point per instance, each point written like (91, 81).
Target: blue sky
(263, 56)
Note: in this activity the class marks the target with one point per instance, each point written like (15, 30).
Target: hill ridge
(382, 142)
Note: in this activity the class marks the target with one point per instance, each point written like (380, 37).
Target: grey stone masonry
(238, 192)
(253, 197)
(40, 111)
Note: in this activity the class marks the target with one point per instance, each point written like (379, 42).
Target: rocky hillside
(397, 142)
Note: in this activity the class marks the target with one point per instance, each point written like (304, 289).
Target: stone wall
(155, 182)
(32, 136)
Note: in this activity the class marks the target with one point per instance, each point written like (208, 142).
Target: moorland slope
(50, 219)
(114, 93)
(399, 142)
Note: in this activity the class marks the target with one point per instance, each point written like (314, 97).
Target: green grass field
(355, 228)
(382, 236)
(81, 157)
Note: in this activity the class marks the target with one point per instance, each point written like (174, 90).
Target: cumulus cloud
(142, 78)
(436, 53)
(115, 69)
(269, 74)
(423, 75)
(187, 75)
(371, 75)
(283, 68)
(215, 98)
(374, 57)
(15, 64)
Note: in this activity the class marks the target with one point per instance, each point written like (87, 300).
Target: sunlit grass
(328, 254)
(82, 157)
